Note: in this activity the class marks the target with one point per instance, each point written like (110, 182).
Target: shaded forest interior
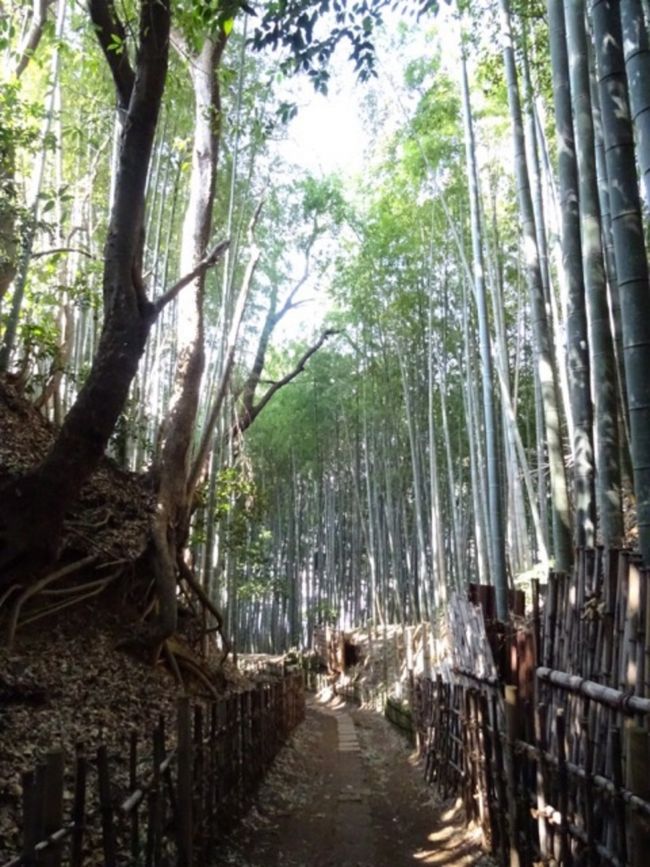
(324, 316)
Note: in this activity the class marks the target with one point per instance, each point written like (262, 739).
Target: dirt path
(346, 792)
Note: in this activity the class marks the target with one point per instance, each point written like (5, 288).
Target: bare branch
(252, 413)
(210, 260)
(54, 250)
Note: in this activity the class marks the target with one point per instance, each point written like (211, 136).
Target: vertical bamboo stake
(185, 783)
(501, 792)
(563, 787)
(199, 773)
(32, 800)
(53, 805)
(619, 804)
(133, 783)
(78, 809)
(540, 738)
(106, 807)
(511, 775)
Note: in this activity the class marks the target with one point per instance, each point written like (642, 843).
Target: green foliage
(293, 27)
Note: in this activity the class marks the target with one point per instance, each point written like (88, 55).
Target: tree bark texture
(33, 507)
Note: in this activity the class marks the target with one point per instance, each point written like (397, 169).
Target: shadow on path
(346, 792)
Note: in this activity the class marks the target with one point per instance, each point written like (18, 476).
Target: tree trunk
(171, 521)
(32, 508)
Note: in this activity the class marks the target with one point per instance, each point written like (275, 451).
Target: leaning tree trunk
(629, 247)
(172, 516)
(541, 333)
(577, 338)
(32, 508)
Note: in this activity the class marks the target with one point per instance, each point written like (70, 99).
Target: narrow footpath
(346, 792)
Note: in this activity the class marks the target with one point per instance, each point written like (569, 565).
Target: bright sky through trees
(334, 134)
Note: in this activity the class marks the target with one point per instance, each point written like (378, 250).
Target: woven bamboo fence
(547, 741)
(176, 803)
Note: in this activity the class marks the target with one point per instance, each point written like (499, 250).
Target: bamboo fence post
(198, 776)
(485, 746)
(588, 784)
(564, 855)
(211, 779)
(78, 808)
(133, 784)
(53, 805)
(511, 775)
(106, 807)
(221, 759)
(32, 783)
(156, 799)
(150, 842)
(619, 804)
(540, 738)
(185, 783)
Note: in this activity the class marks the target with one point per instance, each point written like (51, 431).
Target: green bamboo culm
(577, 336)
(629, 247)
(601, 341)
(546, 370)
(495, 516)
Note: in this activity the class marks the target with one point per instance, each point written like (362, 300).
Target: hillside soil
(347, 791)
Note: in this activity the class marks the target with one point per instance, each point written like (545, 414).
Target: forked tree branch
(251, 413)
(111, 35)
(210, 261)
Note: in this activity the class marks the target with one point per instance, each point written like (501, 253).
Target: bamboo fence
(177, 803)
(542, 727)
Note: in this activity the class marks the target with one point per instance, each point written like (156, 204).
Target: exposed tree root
(40, 585)
(173, 664)
(190, 579)
(98, 587)
(197, 672)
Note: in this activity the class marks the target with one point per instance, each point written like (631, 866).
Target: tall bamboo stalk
(495, 510)
(542, 341)
(601, 344)
(577, 338)
(629, 247)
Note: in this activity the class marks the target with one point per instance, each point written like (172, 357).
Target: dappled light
(324, 433)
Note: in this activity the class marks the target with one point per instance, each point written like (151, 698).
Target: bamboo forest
(324, 433)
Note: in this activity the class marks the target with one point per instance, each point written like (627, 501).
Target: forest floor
(347, 791)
